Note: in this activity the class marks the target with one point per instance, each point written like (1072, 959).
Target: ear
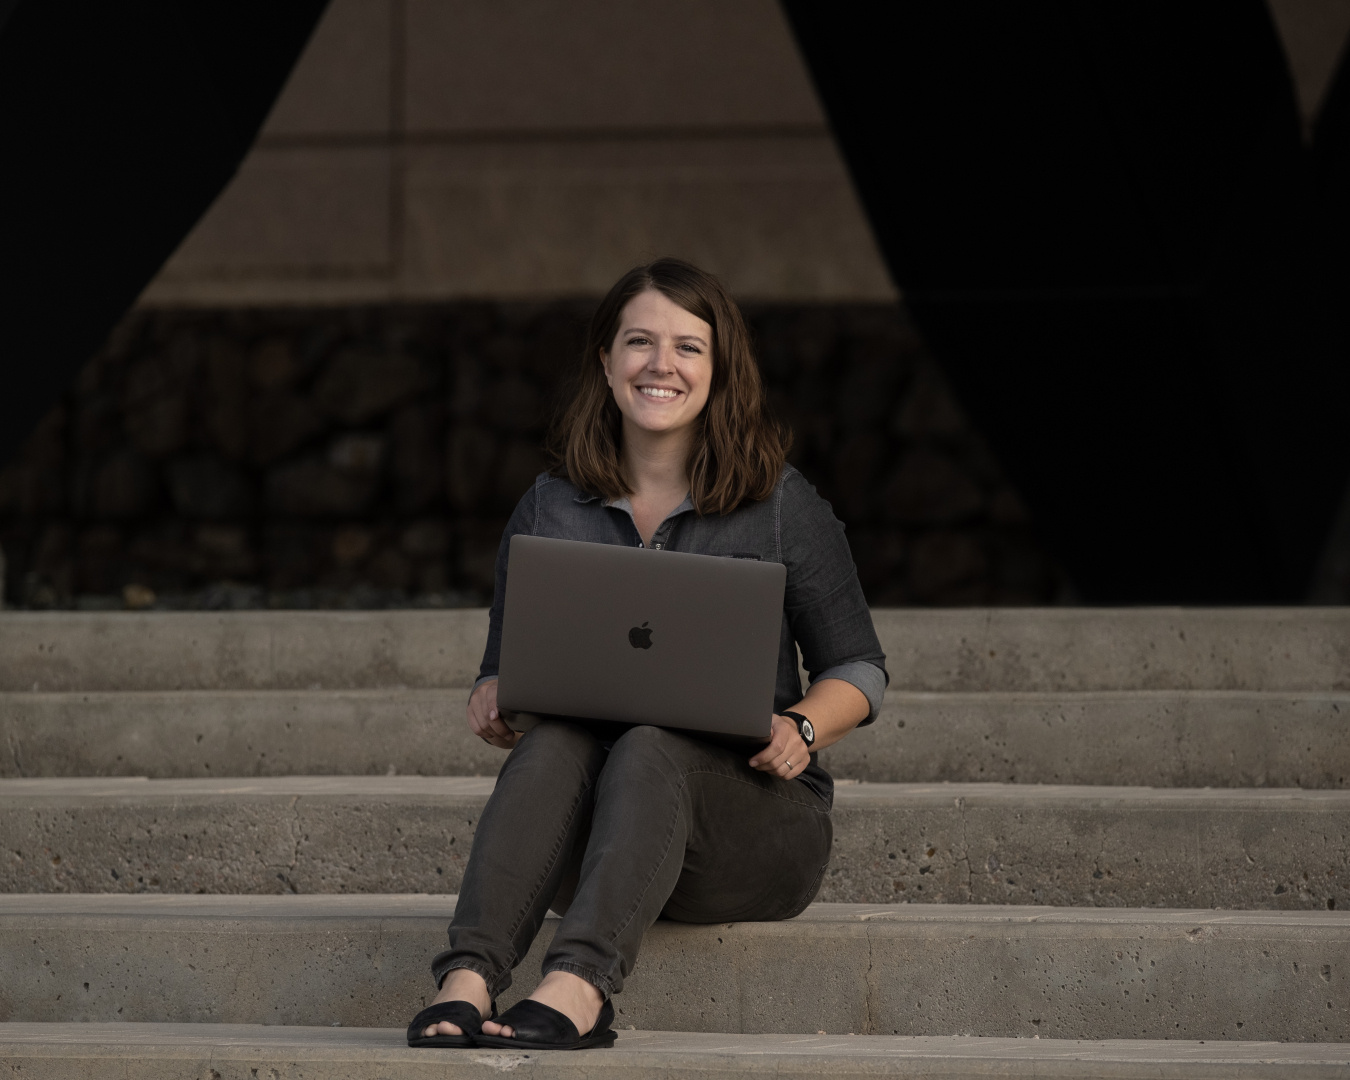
(604, 364)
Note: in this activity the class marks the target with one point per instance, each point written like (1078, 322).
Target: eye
(689, 346)
(638, 341)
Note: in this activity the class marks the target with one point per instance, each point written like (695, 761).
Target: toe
(443, 1028)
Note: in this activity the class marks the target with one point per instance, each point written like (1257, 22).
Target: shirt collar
(625, 504)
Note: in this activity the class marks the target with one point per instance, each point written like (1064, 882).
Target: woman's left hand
(786, 755)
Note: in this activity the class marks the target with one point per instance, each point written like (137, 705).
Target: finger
(478, 723)
(794, 751)
(793, 766)
(494, 735)
(498, 727)
(776, 750)
(773, 752)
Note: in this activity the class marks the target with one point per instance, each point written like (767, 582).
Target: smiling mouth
(659, 393)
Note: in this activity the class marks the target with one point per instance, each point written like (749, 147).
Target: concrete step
(981, 843)
(1163, 738)
(246, 1052)
(245, 650)
(1042, 649)
(184, 733)
(1157, 738)
(875, 970)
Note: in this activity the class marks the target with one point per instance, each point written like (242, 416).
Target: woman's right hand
(485, 719)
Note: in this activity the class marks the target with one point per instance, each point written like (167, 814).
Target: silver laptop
(605, 633)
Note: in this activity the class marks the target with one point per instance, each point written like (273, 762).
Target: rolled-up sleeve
(825, 606)
(522, 521)
(866, 676)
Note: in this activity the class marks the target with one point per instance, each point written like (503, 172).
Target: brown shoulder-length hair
(738, 449)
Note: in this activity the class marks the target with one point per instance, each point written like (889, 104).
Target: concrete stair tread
(902, 969)
(30, 790)
(989, 649)
(936, 843)
(163, 1050)
(1218, 738)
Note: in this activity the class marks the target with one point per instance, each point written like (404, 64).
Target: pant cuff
(495, 984)
(605, 985)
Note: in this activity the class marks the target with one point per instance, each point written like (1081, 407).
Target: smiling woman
(654, 339)
(667, 445)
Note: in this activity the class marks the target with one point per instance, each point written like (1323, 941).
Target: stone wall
(370, 456)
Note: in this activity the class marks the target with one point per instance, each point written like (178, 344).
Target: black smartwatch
(804, 727)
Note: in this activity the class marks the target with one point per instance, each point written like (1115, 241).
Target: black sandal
(461, 1013)
(539, 1027)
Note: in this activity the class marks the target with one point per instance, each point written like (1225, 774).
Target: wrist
(805, 728)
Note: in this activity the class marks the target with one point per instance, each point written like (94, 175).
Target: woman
(666, 445)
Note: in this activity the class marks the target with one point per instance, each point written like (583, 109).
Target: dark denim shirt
(824, 612)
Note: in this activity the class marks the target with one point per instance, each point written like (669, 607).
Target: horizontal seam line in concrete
(311, 908)
(892, 694)
(23, 790)
(245, 1037)
(513, 136)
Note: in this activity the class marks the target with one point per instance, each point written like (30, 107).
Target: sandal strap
(535, 1022)
(460, 1013)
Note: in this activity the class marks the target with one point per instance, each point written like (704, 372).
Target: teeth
(652, 391)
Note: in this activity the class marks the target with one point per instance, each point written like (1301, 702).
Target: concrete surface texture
(406, 156)
(1164, 738)
(883, 969)
(1133, 905)
(921, 843)
(973, 649)
(1063, 649)
(240, 650)
(244, 1052)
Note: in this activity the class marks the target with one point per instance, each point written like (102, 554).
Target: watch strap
(801, 720)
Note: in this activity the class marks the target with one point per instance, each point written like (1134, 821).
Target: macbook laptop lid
(608, 633)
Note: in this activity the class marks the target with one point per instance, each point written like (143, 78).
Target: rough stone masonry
(369, 457)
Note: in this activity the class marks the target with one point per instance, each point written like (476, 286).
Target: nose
(663, 360)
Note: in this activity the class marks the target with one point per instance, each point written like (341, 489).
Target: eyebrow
(678, 337)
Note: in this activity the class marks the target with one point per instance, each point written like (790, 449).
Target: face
(660, 364)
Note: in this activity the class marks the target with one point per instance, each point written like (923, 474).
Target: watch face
(808, 732)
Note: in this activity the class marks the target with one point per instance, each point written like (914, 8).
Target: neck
(654, 462)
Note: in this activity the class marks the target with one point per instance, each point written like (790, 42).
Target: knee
(561, 743)
(646, 745)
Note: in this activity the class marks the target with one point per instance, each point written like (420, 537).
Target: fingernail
(492, 715)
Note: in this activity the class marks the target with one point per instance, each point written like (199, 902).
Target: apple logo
(640, 637)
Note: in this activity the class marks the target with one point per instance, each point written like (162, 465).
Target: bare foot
(460, 985)
(572, 996)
